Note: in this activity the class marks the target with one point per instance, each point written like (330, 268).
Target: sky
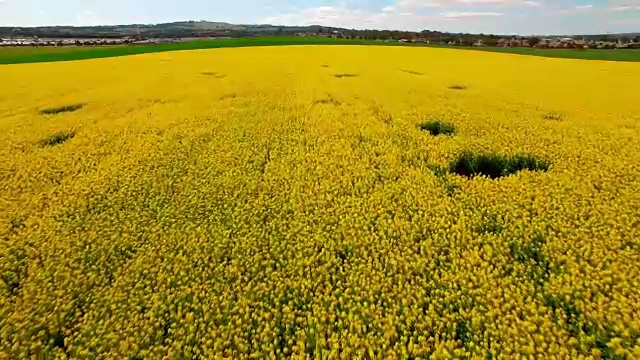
(523, 17)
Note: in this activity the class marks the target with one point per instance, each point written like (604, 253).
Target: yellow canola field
(283, 202)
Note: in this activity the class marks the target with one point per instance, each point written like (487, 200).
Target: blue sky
(479, 16)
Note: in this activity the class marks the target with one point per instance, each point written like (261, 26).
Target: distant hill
(594, 36)
(613, 36)
(188, 29)
(167, 30)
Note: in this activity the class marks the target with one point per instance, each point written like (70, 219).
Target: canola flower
(281, 209)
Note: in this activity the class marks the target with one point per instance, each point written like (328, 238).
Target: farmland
(20, 55)
(320, 202)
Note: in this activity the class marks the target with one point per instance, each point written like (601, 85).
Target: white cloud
(469, 14)
(483, 2)
(388, 9)
(578, 9)
(626, 8)
(361, 19)
(385, 19)
(417, 4)
(348, 18)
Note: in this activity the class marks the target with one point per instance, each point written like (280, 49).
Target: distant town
(86, 42)
(525, 42)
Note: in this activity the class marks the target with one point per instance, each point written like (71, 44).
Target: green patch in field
(490, 224)
(412, 72)
(463, 333)
(555, 116)
(630, 245)
(57, 138)
(17, 224)
(438, 171)
(591, 335)
(58, 340)
(340, 76)
(15, 273)
(437, 127)
(328, 100)
(61, 109)
(311, 341)
(458, 87)
(228, 96)
(495, 166)
(344, 253)
(531, 254)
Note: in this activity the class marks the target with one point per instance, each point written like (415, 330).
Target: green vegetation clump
(494, 165)
(345, 75)
(553, 116)
(412, 72)
(438, 127)
(62, 109)
(16, 224)
(329, 99)
(228, 96)
(57, 138)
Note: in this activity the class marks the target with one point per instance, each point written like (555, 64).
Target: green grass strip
(20, 55)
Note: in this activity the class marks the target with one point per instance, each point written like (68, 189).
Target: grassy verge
(585, 54)
(19, 55)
